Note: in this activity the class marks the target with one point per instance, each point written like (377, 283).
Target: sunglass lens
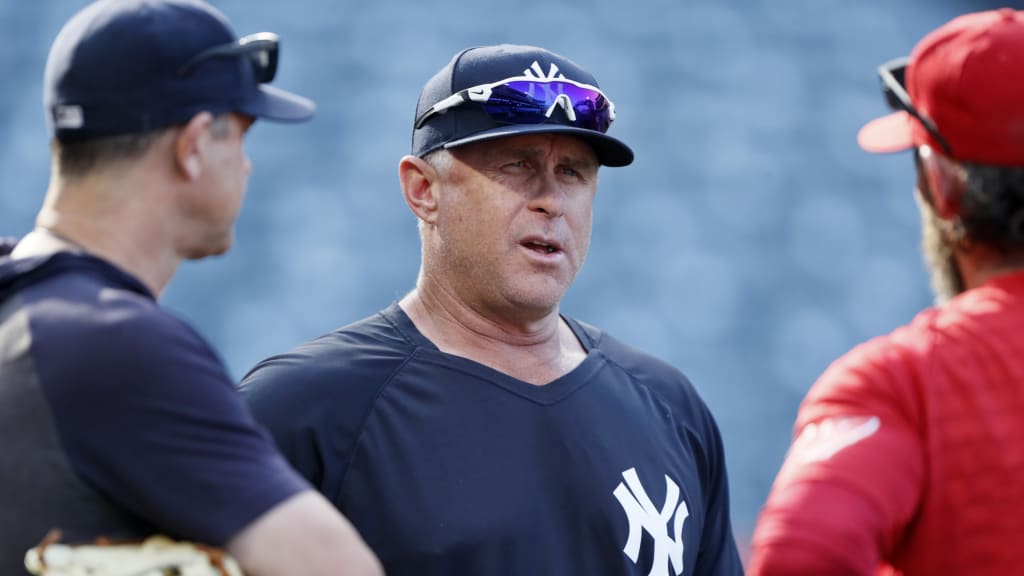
(897, 74)
(515, 103)
(524, 102)
(592, 111)
(264, 64)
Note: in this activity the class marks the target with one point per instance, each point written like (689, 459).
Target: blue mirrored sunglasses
(526, 100)
(261, 49)
(894, 86)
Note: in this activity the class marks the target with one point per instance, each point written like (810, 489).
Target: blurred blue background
(750, 244)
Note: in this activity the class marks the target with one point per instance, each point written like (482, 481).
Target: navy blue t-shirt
(447, 466)
(116, 418)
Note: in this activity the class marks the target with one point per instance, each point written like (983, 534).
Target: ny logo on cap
(563, 100)
(535, 71)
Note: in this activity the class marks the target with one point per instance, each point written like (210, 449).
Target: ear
(419, 188)
(190, 145)
(945, 178)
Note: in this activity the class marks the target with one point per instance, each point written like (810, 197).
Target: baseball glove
(155, 556)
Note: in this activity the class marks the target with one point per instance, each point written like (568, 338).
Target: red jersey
(909, 451)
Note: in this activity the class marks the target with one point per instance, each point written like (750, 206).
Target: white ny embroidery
(563, 100)
(643, 516)
(535, 71)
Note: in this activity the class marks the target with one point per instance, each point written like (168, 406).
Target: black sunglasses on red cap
(893, 76)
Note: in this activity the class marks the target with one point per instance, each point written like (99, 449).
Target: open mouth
(541, 246)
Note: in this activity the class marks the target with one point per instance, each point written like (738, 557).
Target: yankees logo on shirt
(644, 516)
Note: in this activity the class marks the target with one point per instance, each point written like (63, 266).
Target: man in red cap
(909, 450)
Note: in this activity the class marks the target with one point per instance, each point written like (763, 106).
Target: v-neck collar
(546, 394)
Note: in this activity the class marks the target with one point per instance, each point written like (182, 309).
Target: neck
(117, 219)
(979, 264)
(537, 350)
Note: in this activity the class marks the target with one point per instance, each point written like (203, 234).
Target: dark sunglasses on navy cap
(529, 100)
(893, 75)
(261, 49)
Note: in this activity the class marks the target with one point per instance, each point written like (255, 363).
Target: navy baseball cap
(491, 92)
(131, 66)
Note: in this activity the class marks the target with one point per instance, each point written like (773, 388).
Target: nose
(550, 198)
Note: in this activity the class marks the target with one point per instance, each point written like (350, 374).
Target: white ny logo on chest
(643, 516)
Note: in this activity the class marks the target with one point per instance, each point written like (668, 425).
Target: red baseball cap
(966, 78)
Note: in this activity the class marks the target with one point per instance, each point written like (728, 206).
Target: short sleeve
(314, 402)
(718, 554)
(277, 393)
(148, 416)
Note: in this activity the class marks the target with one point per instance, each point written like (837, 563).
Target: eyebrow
(572, 160)
(523, 151)
(578, 162)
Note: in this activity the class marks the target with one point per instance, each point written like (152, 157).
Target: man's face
(514, 221)
(216, 200)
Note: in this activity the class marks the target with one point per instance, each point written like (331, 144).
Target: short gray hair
(440, 159)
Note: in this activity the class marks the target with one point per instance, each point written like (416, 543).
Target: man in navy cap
(117, 419)
(471, 428)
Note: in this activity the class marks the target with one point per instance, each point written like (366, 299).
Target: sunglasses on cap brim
(527, 100)
(261, 49)
(894, 86)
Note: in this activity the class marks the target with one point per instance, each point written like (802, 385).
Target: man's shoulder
(903, 363)
(639, 364)
(88, 302)
(72, 284)
(884, 373)
(665, 380)
(328, 383)
(893, 354)
(364, 352)
(375, 334)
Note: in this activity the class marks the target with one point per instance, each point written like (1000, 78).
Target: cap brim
(279, 105)
(891, 133)
(610, 151)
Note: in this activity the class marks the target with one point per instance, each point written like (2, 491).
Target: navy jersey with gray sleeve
(447, 466)
(116, 418)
